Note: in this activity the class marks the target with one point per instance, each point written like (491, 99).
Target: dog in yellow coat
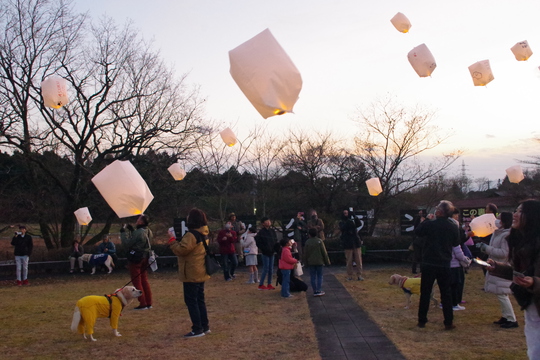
(90, 308)
(409, 286)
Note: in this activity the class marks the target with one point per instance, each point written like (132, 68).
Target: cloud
(489, 136)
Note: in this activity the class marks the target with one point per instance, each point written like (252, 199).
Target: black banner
(407, 220)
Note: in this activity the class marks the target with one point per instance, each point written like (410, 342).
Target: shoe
(19, 283)
(360, 278)
(421, 325)
(270, 287)
(316, 294)
(82, 270)
(449, 327)
(25, 282)
(207, 331)
(262, 287)
(349, 279)
(287, 297)
(149, 307)
(233, 276)
(501, 321)
(191, 334)
(141, 308)
(510, 325)
(229, 279)
(71, 271)
(321, 293)
(250, 282)
(458, 307)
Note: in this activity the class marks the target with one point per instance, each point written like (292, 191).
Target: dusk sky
(349, 54)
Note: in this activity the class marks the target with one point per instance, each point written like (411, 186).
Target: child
(286, 264)
(250, 253)
(315, 256)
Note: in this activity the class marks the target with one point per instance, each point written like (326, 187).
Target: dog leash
(140, 272)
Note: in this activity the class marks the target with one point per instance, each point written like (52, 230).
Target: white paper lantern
(522, 51)
(177, 171)
(83, 216)
(515, 174)
(54, 92)
(123, 188)
(422, 60)
(228, 137)
(401, 23)
(481, 73)
(374, 186)
(266, 75)
(483, 225)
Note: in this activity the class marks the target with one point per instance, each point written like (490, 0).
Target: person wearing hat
(23, 249)
(239, 228)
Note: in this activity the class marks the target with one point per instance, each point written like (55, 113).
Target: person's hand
(129, 227)
(105, 250)
(525, 282)
(224, 238)
(481, 246)
(431, 216)
(491, 262)
(470, 234)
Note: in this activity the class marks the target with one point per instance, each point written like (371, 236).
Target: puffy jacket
(23, 245)
(315, 253)
(249, 243)
(286, 261)
(457, 256)
(137, 240)
(498, 251)
(266, 240)
(226, 240)
(191, 253)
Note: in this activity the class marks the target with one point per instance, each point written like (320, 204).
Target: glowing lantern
(481, 73)
(483, 225)
(83, 216)
(54, 92)
(177, 171)
(266, 75)
(401, 23)
(422, 60)
(515, 174)
(228, 137)
(374, 186)
(123, 188)
(522, 50)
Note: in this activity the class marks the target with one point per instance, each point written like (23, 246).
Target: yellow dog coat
(93, 307)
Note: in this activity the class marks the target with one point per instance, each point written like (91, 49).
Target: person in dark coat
(266, 239)
(351, 244)
(23, 249)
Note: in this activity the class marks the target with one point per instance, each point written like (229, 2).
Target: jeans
(268, 268)
(194, 299)
(315, 272)
(22, 267)
(430, 273)
(285, 283)
(139, 278)
(228, 271)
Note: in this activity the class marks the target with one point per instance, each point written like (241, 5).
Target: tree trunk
(104, 231)
(46, 235)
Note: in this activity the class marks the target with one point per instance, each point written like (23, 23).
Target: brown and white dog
(409, 286)
(90, 308)
(98, 259)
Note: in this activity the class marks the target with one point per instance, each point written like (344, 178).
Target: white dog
(89, 308)
(98, 259)
(409, 286)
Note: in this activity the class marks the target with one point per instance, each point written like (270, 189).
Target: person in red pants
(137, 241)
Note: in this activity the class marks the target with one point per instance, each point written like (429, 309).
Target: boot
(256, 276)
(250, 281)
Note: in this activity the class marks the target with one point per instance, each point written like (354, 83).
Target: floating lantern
(266, 75)
(374, 186)
(54, 92)
(228, 137)
(401, 23)
(422, 60)
(484, 225)
(481, 73)
(522, 51)
(515, 174)
(123, 188)
(177, 171)
(83, 216)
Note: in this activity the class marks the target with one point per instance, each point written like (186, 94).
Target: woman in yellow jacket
(191, 252)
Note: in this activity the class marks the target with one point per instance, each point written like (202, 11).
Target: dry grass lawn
(475, 337)
(245, 323)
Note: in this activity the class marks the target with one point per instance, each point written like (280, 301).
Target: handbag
(522, 295)
(298, 269)
(135, 256)
(211, 264)
(152, 260)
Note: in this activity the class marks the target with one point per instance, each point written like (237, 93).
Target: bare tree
(390, 141)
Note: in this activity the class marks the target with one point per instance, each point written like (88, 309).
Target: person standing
(286, 264)
(138, 240)
(266, 240)
(300, 232)
(441, 236)
(315, 257)
(239, 228)
(351, 243)
(250, 250)
(191, 253)
(316, 223)
(23, 244)
(227, 240)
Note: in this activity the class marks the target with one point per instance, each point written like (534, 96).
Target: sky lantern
(177, 171)
(54, 92)
(123, 188)
(422, 60)
(374, 186)
(484, 225)
(522, 51)
(401, 23)
(228, 137)
(481, 73)
(515, 174)
(83, 216)
(266, 75)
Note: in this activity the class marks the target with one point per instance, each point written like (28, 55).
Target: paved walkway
(343, 329)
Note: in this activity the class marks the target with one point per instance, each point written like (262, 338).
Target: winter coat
(441, 236)
(498, 251)
(349, 237)
(286, 261)
(457, 256)
(191, 254)
(138, 240)
(227, 246)
(317, 224)
(23, 245)
(249, 243)
(111, 248)
(315, 253)
(266, 240)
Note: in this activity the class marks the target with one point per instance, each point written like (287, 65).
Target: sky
(349, 55)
